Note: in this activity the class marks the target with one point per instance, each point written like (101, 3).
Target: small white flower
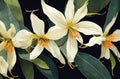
(24, 39)
(69, 23)
(6, 38)
(106, 40)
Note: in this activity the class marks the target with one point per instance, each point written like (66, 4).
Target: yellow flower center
(43, 41)
(108, 42)
(73, 33)
(8, 46)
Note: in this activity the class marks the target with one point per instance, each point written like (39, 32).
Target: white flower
(69, 23)
(106, 40)
(24, 39)
(7, 45)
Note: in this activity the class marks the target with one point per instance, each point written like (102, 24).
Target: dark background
(66, 72)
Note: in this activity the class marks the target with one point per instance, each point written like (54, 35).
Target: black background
(66, 72)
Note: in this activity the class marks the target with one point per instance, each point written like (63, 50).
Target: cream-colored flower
(24, 39)
(69, 23)
(7, 45)
(106, 40)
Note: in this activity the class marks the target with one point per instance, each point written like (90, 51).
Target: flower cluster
(65, 24)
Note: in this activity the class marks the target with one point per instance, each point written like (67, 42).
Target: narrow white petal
(89, 28)
(72, 49)
(95, 40)
(22, 39)
(69, 11)
(108, 27)
(115, 51)
(56, 32)
(37, 25)
(105, 52)
(54, 15)
(11, 59)
(36, 52)
(3, 30)
(116, 35)
(12, 30)
(81, 12)
(54, 50)
(3, 66)
(80, 39)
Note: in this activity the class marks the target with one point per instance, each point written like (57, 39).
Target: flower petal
(89, 28)
(54, 15)
(56, 33)
(22, 39)
(3, 66)
(69, 11)
(105, 52)
(36, 52)
(37, 25)
(11, 59)
(54, 50)
(116, 35)
(3, 30)
(80, 13)
(95, 40)
(12, 30)
(115, 51)
(72, 49)
(79, 38)
(108, 27)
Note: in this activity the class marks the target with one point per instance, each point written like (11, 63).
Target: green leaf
(91, 67)
(94, 6)
(114, 8)
(16, 9)
(40, 63)
(27, 69)
(6, 16)
(52, 72)
(1, 77)
(63, 49)
(113, 62)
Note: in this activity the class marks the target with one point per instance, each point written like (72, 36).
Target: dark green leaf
(27, 69)
(91, 67)
(6, 16)
(94, 6)
(1, 77)
(114, 8)
(51, 73)
(16, 9)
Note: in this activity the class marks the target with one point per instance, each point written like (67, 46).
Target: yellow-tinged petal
(36, 52)
(105, 52)
(55, 33)
(12, 30)
(88, 28)
(54, 15)
(72, 49)
(69, 11)
(79, 38)
(3, 30)
(37, 25)
(23, 39)
(116, 35)
(115, 51)
(108, 27)
(80, 13)
(11, 59)
(95, 40)
(54, 50)
(3, 66)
